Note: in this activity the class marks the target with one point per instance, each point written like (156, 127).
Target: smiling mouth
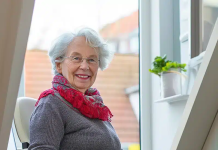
(83, 76)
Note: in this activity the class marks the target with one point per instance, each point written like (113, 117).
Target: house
(122, 35)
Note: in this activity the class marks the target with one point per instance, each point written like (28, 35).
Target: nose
(84, 65)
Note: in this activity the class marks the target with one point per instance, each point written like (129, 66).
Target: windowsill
(173, 99)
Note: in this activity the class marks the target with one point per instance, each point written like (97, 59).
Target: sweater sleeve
(46, 128)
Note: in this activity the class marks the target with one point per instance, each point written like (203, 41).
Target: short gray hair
(59, 48)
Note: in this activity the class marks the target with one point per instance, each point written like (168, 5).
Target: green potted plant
(170, 73)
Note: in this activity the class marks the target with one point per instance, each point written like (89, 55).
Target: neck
(80, 90)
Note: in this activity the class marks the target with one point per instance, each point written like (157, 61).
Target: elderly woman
(71, 115)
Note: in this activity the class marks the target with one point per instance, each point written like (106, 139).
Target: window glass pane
(184, 21)
(210, 14)
(118, 84)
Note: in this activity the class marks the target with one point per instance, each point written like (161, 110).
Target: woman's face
(80, 75)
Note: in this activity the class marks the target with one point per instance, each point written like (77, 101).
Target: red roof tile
(120, 27)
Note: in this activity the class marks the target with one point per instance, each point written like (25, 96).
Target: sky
(53, 17)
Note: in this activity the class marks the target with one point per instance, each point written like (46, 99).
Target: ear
(58, 67)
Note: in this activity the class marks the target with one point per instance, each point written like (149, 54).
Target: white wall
(165, 117)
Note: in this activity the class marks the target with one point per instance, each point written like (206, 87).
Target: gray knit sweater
(56, 125)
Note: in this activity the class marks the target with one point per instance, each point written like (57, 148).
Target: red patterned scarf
(89, 104)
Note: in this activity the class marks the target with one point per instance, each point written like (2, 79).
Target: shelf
(173, 99)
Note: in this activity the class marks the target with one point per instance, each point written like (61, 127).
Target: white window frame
(196, 28)
(145, 76)
(201, 107)
(16, 25)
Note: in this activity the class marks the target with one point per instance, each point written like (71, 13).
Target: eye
(91, 60)
(76, 58)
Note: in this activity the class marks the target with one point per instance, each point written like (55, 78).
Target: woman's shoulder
(49, 104)
(52, 105)
(48, 100)
(54, 100)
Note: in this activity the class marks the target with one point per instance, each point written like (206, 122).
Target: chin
(82, 86)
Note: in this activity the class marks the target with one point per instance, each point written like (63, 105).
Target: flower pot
(171, 83)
